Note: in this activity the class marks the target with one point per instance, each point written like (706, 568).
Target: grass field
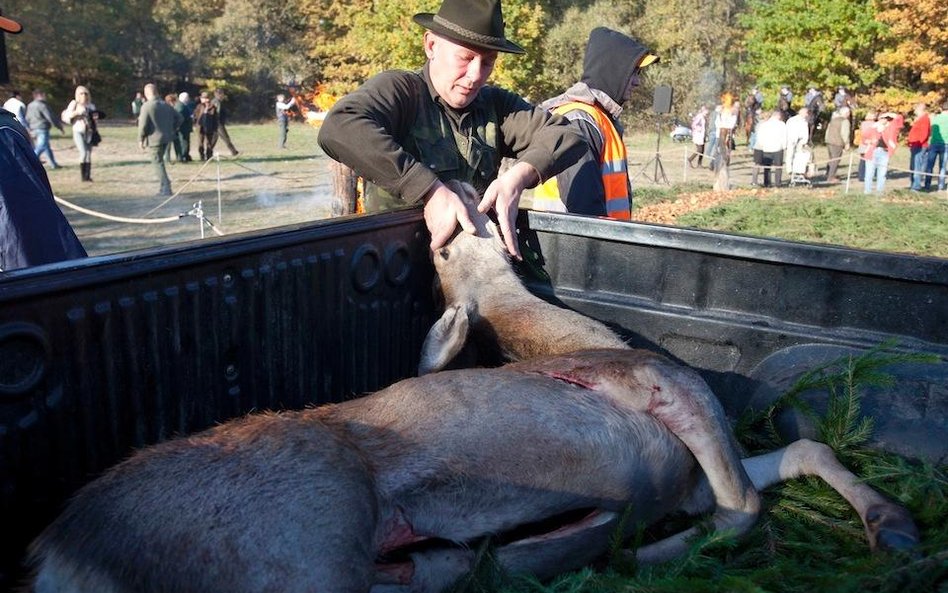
(266, 187)
(262, 187)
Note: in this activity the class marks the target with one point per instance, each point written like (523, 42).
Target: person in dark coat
(183, 141)
(409, 133)
(33, 230)
(158, 125)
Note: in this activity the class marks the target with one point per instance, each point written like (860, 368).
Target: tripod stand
(659, 172)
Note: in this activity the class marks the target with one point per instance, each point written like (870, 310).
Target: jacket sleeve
(144, 122)
(580, 184)
(364, 130)
(532, 135)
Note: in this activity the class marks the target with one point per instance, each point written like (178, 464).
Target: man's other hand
(503, 194)
(444, 210)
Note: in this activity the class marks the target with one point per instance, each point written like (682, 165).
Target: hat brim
(10, 25)
(648, 60)
(426, 20)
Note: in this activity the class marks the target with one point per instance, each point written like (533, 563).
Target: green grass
(902, 222)
(263, 187)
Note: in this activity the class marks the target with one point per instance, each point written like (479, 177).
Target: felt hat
(9, 25)
(475, 23)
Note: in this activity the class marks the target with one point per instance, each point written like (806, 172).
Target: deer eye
(443, 252)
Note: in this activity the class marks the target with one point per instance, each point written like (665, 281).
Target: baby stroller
(681, 132)
(800, 166)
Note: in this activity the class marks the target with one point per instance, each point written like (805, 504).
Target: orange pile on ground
(668, 212)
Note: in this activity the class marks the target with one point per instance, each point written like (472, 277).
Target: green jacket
(158, 122)
(939, 133)
(396, 133)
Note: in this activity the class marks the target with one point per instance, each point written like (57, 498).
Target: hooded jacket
(33, 230)
(610, 61)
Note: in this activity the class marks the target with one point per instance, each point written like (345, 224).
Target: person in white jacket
(798, 136)
(770, 141)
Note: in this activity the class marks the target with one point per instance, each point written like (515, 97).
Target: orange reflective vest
(615, 169)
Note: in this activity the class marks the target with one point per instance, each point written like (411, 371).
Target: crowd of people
(782, 138)
(160, 130)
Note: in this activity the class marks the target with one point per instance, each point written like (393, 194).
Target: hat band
(485, 39)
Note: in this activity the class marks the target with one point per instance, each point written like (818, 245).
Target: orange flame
(313, 105)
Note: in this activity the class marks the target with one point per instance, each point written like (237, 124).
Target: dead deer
(392, 492)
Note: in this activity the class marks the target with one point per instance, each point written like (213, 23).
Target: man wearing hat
(205, 120)
(33, 230)
(408, 132)
(598, 185)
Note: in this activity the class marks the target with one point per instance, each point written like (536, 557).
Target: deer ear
(445, 340)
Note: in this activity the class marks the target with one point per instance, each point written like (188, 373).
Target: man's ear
(429, 41)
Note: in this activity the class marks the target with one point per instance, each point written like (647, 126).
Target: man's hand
(444, 209)
(504, 196)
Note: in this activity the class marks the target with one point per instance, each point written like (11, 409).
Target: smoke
(709, 87)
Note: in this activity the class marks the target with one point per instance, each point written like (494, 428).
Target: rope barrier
(123, 219)
(182, 188)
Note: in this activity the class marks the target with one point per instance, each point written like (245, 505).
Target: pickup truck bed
(101, 356)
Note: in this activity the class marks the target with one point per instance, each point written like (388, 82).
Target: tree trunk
(344, 189)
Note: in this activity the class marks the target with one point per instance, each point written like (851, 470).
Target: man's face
(457, 72)
(633, 84)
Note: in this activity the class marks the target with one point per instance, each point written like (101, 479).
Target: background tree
(918, 57)
(802, 43)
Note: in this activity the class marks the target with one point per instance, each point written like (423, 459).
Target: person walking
(82, 115)
(837, 140)
(283, 118)
(918, 145)
(158, 125)
(725, 123)
(411, 132)
(17, 107)
(712, 137)
(699, 124)
(770, 141)
(183, 137)
(41, 120)
(598, 184)
(881, 141)
(137, 103)
(205, 118)
(222, 115)
(798, 136)
(938, 150)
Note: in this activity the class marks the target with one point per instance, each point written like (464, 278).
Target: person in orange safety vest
(598, 184)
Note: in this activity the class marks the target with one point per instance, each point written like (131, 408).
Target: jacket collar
(585, 94)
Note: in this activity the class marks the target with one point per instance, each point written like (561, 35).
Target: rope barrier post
(220, 218)
(849, 172)
(684, 167)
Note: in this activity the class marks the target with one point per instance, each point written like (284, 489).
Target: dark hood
(610, 60)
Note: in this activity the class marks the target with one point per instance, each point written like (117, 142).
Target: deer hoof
(890, 528)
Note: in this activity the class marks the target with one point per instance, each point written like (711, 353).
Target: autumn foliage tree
(918, 56)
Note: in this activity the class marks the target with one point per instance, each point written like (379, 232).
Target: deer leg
(445, 340)
(888, 525)
(683, 402)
